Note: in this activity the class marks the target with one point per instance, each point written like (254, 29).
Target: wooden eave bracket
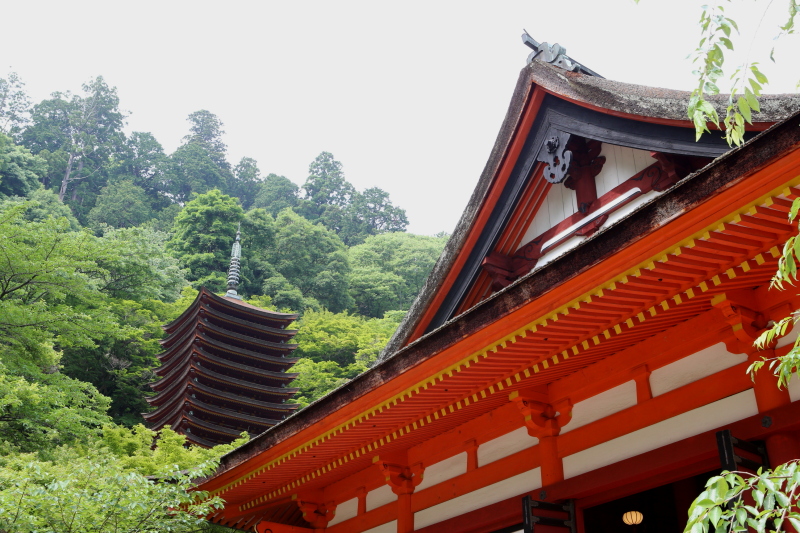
(746, 323)
(542, 418)
(402, 479)
(316, 512)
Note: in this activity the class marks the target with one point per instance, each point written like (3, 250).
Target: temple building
(582, 343)
(224, 368)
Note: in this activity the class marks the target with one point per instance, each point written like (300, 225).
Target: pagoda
(224, 367)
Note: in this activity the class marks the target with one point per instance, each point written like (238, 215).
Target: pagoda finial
(233, 270)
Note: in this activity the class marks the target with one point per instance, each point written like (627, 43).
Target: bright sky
(408, 95)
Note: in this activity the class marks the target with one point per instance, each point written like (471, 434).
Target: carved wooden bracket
(541, 418)
(746, 323)
(556, 155)
(317, 514)
(586, 165)
(402, 479)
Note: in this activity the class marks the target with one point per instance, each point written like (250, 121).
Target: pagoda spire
(233, 270)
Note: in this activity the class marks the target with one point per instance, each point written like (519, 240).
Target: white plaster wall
(345, 511)
(621, 164)
(789, 338)
(693, 368)
(502, 490)
(380, 496)
(794, 388)
(677, 428)
(602, 405)
(388, 527)
(443, 470)
(506, 445)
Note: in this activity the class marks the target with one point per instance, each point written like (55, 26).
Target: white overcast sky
(408, 95)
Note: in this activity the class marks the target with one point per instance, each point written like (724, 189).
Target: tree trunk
(65, 180)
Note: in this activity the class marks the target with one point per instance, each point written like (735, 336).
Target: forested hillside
(104, 237)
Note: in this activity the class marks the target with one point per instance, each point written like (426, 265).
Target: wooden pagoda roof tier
(204, 312)
(249, 337)
(224, 361)
(200, 374)
(198, 338)
(268, 378)
(229, 399)
(234, 307)
(248, 412)
(651, 287)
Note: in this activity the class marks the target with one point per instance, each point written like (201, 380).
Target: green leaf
(758, 496)
(795, 209)
(759, 76)
(714, 515)
(744, 109)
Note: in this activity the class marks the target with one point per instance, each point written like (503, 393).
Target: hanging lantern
(632, 518)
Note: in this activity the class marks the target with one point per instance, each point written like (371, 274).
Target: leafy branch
(723, 505)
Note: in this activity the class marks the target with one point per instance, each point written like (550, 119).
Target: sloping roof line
(653, 105)
(734, 167)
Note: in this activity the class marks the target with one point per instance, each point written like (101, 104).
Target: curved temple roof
(427, 366)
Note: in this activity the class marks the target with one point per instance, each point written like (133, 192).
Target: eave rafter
(738, 250)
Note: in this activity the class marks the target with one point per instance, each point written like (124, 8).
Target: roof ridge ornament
(555, 54)
(233, 270)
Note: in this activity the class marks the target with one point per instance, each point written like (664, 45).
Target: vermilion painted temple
(581, 342)
(224, 368)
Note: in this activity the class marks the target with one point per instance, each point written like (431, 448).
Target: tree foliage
(79, 133)
(718, 35)
(120, 205)
(771, 495)
(204, 231)
(15, 105)
(312, 259)
(20, 171)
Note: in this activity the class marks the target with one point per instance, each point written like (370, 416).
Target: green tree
(47, 290)
(20, 171)
(43, 204)
(193, 171)
(142, 160)
(317, 379)
(312, 259)
(371, 213)
(83, 130)
(245, 182)
(276, 193)
(204, 232)
(326, 193)
(206, 131)
(120, 205)
(15, 105)
(389, 270)
(44, 411)
(97, 493)
(258, 238)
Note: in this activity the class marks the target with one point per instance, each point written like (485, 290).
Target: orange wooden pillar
(544, 421)
(403, 480)
(781, 447)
